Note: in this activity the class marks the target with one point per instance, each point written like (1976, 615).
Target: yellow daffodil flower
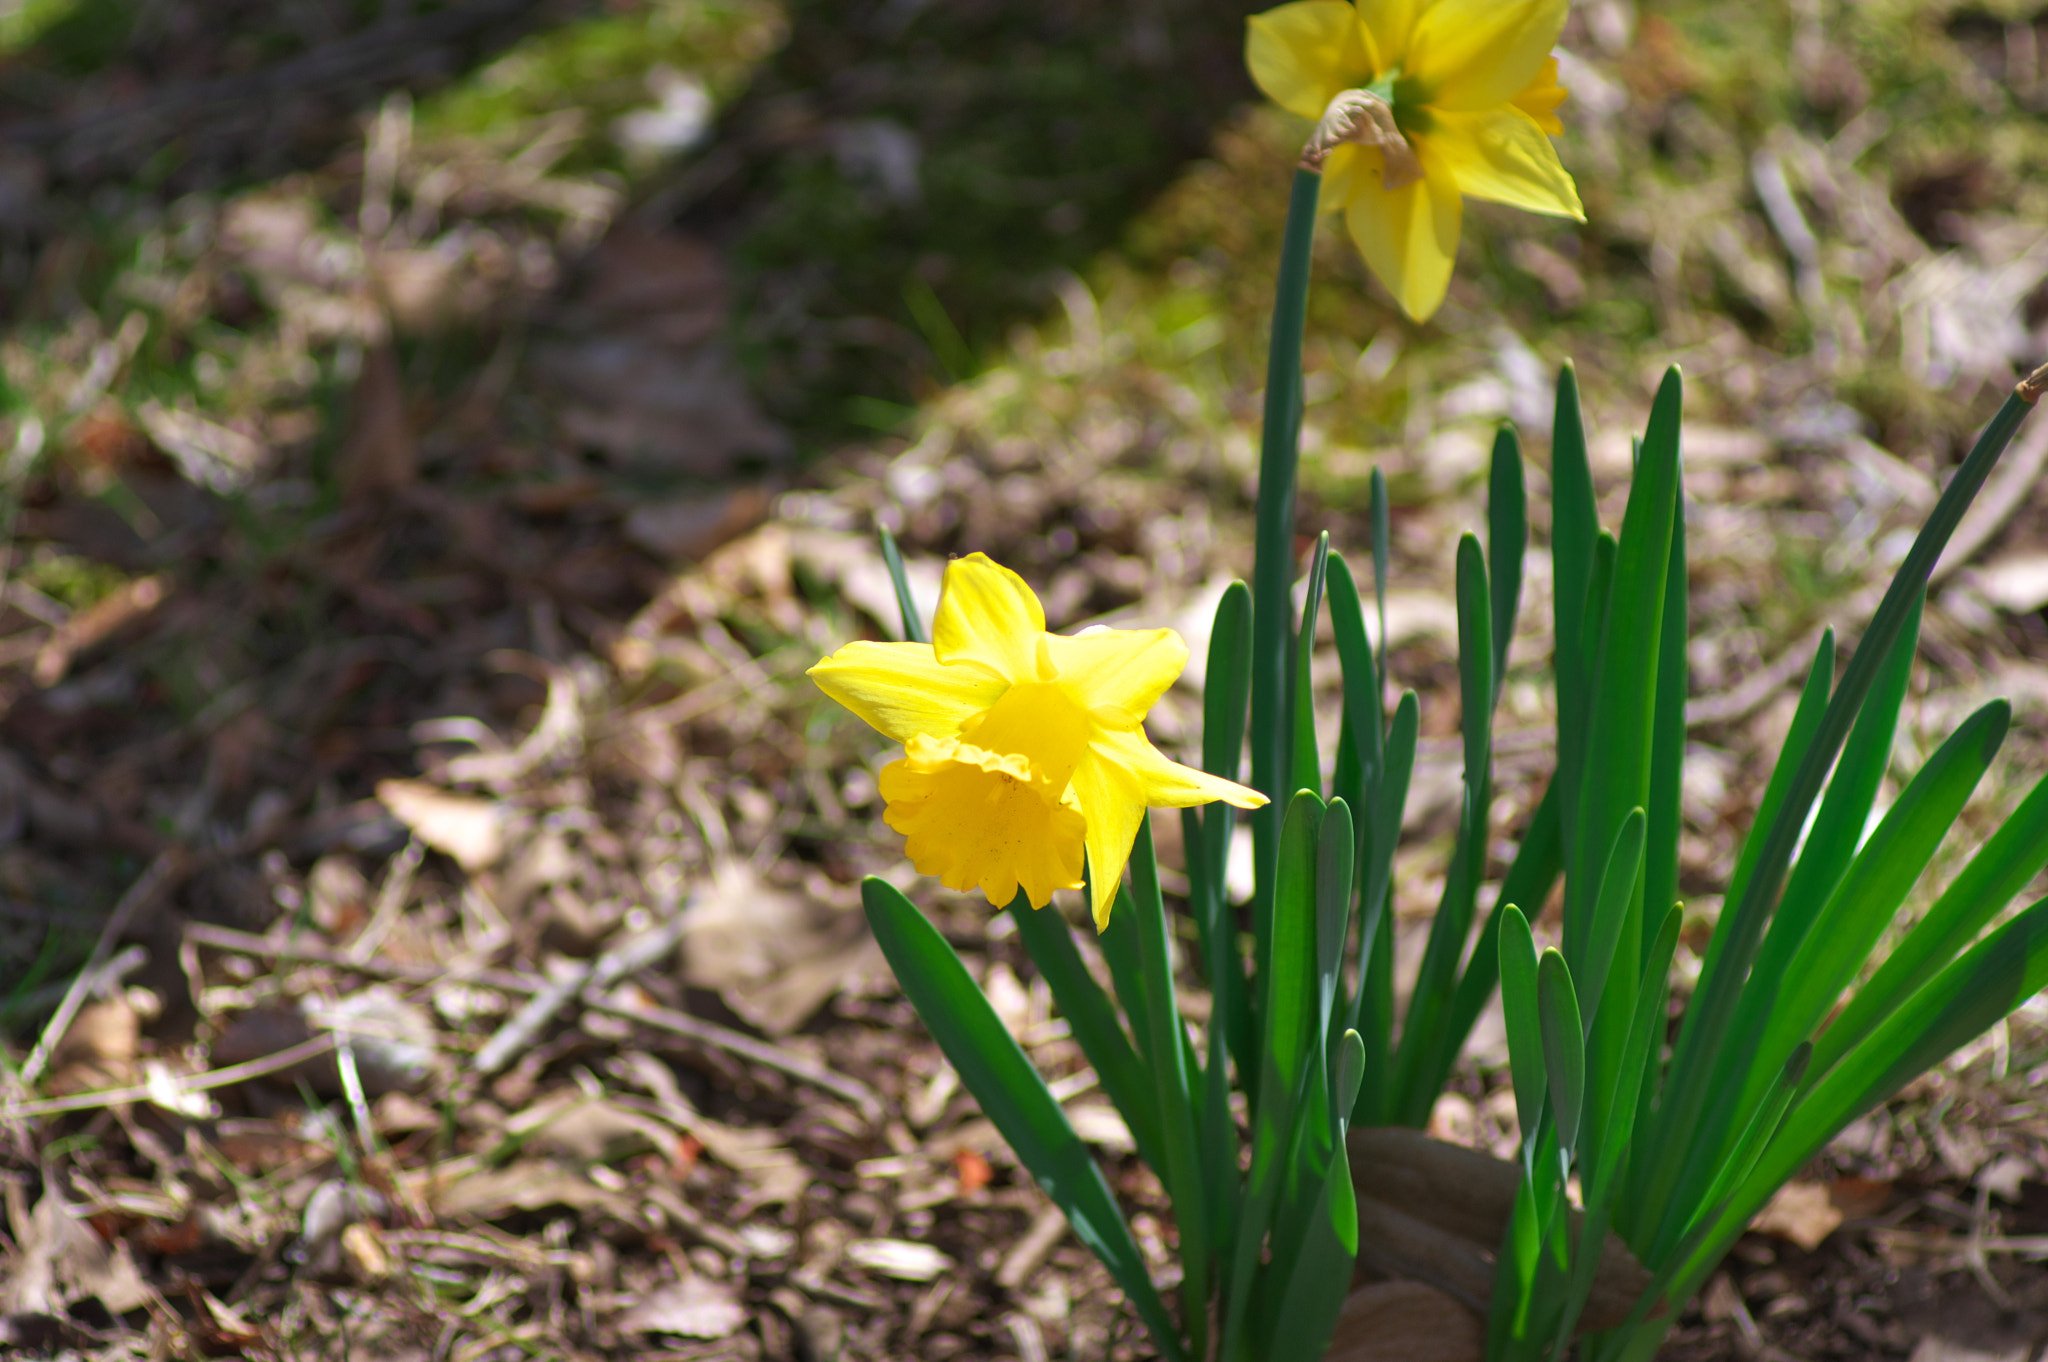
(1418, 102)
(1023, 749)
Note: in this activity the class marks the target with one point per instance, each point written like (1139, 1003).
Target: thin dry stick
(218, 1078)
(263, 948)
(630, 957)
(863, 1097)
(167, 868)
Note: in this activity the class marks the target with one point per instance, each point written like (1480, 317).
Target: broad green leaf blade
(1226, 687)
(1120, 951)
(1012, 1095)
(1655, 1170)
(1507, 542)
(1382, 541)
(1183, 1176)
(1437, 980)
(1539, 860)
(1350, 1073)
(1843, 935)
(1304, 765)
(1667, 735)
(1273, 556)
(1639, 1059)
(1837, 829)
(1335, 844)
(2000, 870)
(1288, 992)
(1315, 1290)
(1564, 1046)
(1618, 884)
(1624, 681)
(1524, 1020)
(1476, 674)
(1574, 525)
(1383, 821)
(1879, 879)
(913, 624)
(1738, 933)
(1226, 684)
(1376, 1021)
(1955, 1007)
(1362, 703)
(1049, 940)
(1763, 1126)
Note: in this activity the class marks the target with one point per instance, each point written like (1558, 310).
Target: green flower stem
(1273, 563)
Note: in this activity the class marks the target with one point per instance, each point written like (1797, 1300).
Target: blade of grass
(913, 623)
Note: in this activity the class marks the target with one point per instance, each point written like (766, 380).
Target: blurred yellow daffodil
(1418, 102)
(1024, 750)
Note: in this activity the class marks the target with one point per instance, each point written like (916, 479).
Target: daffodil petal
(1302, 55)
(1118, 674)
(1502, 155)
(988, 615)
(1040, 721)
(902, 689)
(1121, 776)
(1409, 236)
(1476, 54)
(1542, 97)
(1341, 168)
(1389, 28)
(1162, 783)
(1113, 802)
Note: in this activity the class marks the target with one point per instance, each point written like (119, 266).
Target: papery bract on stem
(1024, 751)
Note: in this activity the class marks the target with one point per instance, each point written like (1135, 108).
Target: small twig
(167, 868)
(864, 1098)
(391, 896)
(218, 1078)
(247, 943)
(628, 958)
(99, 985)
(1029, 1253)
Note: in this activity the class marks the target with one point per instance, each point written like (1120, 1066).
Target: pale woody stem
(1362, 118)
(2031, 387)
